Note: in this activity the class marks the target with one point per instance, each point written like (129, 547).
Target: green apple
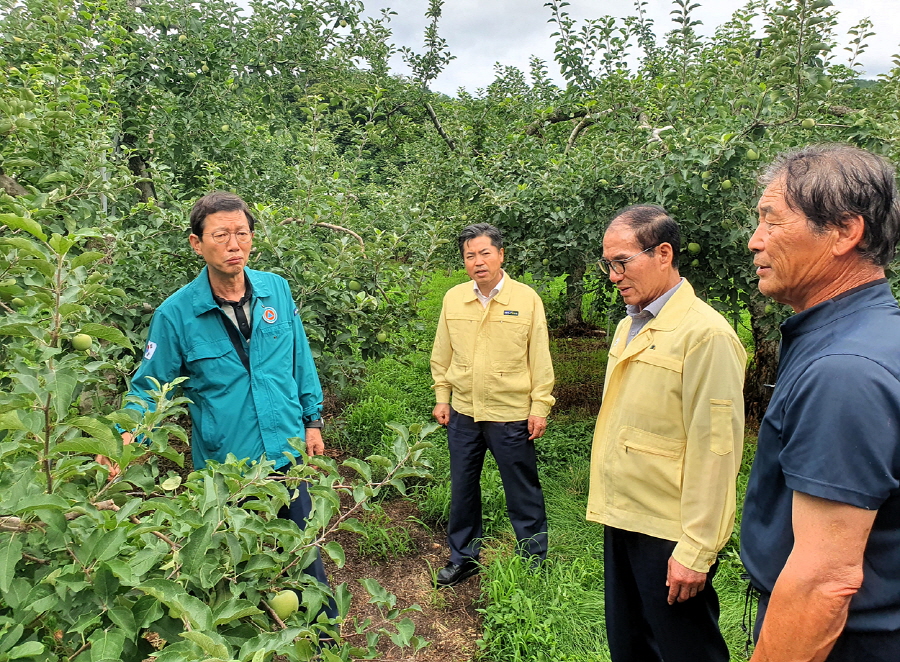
(545, 262)
(725, 185)
(695, 263)
(82, 341)
(285, 603)
(693, 247)
(752, 154)
(706, 174)
(354, 286)
(808, 123)
(381, 337)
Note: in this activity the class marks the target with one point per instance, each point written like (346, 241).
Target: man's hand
(683, 582)
(314, 443)
(537, 425)
(441, 413)
(114, 471)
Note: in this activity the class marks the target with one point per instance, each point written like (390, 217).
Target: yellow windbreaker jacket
(669, 436)
(493, 363)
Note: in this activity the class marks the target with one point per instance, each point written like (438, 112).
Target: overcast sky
(482, 32)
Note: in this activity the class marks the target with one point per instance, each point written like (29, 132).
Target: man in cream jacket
(492, 381)
(667, 449)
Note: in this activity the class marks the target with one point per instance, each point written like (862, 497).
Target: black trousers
(515, 456)
(850, 646)
(641, 625)
(297, 513)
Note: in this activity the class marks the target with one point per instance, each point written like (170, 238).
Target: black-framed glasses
(222, 236)
(618, 266)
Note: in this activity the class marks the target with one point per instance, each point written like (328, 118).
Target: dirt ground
(448, 620)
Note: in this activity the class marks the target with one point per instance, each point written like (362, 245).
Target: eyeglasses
(222, 236)
(618, 266)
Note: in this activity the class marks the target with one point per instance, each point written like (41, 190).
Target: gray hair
(471, 232)
(652, 226)
(832, 183)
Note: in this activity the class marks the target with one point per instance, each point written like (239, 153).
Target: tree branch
(332, 226)
(440, 129)
(586, 121)
(273, 615)
(555, 118)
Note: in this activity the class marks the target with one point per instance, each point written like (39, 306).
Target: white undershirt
(485, 300)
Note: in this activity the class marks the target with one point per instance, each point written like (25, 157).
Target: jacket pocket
(647, 475)
(721, 432)
(508, 385)
(208, 350)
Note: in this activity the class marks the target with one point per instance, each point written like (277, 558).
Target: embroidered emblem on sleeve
(269, 315)
(151, 349)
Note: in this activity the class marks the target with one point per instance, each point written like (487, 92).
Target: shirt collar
(494, 292)
(872, 293)
(652, 309)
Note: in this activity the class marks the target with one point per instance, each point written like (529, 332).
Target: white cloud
(482, 32)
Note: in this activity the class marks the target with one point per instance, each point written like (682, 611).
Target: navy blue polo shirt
(832, 430)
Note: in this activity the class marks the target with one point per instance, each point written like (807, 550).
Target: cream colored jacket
(493, 363)
(669, 436)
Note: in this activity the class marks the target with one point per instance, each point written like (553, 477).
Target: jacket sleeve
(713, 410)
(163, 361)
(441, 356)
(309, 388)
(540, 365)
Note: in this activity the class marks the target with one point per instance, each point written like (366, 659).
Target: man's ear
(848, 235)
(666, 252)
(195, 243)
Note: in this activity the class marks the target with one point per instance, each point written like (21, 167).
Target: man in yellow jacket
(492, 381)
(667, 449)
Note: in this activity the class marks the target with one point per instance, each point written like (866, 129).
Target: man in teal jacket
(235, 333)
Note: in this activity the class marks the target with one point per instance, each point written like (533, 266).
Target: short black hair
(831, 183)
(652, 226)
(471, 232)
(215, 202)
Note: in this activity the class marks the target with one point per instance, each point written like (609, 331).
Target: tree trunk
(138, 168)
(763, 368)
(11, 186)
(574, 294)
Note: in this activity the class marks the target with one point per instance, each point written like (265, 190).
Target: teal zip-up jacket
(235, 411)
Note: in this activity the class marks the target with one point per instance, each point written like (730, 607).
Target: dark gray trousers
(515, 455)
(641, 625)
(297, 513)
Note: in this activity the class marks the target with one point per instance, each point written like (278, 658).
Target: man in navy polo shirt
(821, 527)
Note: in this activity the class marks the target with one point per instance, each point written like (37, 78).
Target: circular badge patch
(269, 315)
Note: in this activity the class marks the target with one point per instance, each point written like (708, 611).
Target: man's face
(792, 261)
(483, 262)
(229, 258)
(646, 277)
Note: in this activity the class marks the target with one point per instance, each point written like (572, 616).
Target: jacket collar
(202, 297)
(502, 297)
(668, 319)
(675, 309)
